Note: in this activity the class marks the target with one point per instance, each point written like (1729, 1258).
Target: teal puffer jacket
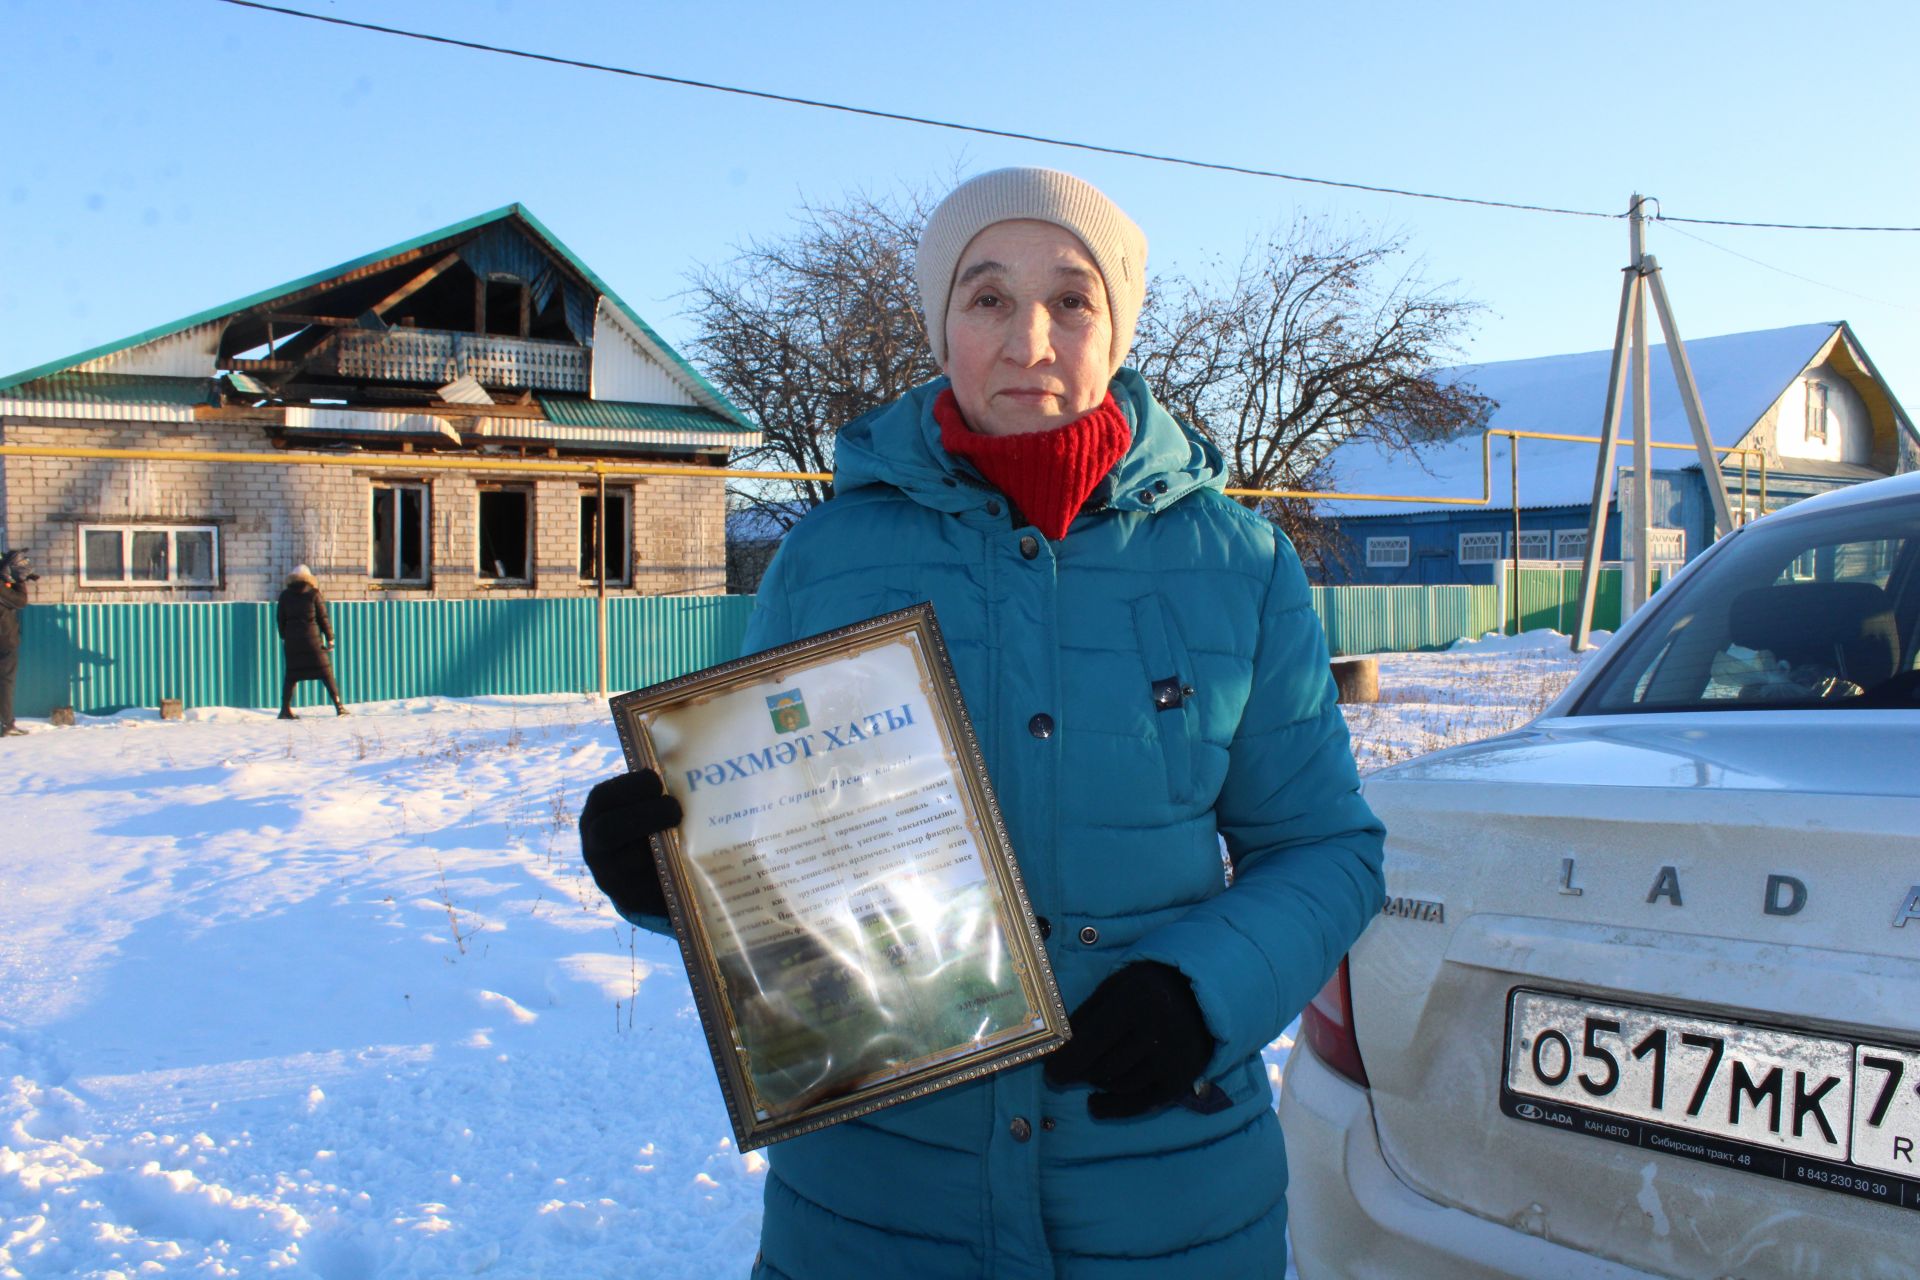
(1115, 810)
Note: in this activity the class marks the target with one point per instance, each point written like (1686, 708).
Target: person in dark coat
(1140, 657)
(306, 636)
(15, 571)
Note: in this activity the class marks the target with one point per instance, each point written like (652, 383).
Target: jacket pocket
(1169, 679)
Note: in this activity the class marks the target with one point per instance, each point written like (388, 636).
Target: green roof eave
(621, 415)
(116, 389)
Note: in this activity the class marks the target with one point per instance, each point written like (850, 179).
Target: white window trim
(1569, 544)
(1490, 541)
(426, 532)
(126, 532)
(1381, 552)
(1667, 544)
(1540, 539)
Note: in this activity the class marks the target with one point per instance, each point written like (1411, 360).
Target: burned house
(421, 422)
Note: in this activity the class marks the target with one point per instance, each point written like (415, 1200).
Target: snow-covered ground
(335, 998)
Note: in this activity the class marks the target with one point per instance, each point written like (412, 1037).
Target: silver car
(1645, 1000)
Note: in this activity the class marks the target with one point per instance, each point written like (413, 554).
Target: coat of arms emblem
(789, 711)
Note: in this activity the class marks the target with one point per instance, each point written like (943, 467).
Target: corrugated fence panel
(102, 657)
(651, 639)
(463, 648)
(1550, 598)
(1402, 619)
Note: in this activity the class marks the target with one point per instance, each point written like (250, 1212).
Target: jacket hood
(899, 445)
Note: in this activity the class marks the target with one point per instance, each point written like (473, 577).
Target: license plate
(1815, 1109)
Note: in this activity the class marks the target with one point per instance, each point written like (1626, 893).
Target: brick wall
(273, 517)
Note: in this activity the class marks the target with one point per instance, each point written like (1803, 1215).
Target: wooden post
(1356, 679)
(1603, 470)
(1513, 454)
(600, 573)
(1637, 588)
(1690, 399)
(413, 286)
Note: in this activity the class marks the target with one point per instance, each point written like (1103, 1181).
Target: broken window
(399, 541)
(617, 529)
(508, 310)
(506, 535)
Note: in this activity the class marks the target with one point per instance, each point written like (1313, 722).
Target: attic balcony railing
(437, 357)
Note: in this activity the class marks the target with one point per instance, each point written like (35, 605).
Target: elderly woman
(306, 639)
(1146, 676)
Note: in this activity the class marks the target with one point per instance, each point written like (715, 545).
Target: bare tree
(807, 332)
(1312, 342)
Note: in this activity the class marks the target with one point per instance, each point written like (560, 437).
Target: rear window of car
(1817, 612)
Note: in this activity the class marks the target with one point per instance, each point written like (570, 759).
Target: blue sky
(168, 155)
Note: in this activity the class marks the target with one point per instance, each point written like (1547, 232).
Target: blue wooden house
(1805, 399)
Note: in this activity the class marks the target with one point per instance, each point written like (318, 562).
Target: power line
(905, 118)
(1778, 226)
(1782, 270)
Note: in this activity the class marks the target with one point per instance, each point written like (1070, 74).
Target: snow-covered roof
(1740, 375)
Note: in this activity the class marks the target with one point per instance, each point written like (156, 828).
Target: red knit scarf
(1047, 474)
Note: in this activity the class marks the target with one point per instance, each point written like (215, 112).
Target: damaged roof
(192, 344)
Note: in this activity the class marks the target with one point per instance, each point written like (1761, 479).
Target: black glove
(1139, 1040)
(620, 814)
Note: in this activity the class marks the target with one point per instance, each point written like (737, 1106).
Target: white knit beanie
(1118, 247)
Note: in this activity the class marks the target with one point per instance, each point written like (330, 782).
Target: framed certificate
(852, 919)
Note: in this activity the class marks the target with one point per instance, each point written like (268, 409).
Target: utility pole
(1641, 278)
(1633, 543)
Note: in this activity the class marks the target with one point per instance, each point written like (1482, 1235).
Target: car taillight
(1327, 1024)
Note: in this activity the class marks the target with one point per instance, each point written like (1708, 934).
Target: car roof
(1853, 495)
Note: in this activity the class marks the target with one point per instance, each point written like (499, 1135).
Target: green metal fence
(1410, 619)
(102, 657)
(1551, 598)
(97, 658)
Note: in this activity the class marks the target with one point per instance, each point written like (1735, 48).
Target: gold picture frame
(852, 918)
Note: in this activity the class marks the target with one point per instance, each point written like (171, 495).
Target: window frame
(618, 575)
(529, 496)
(1570, 544)
(1380, 547)
(1824, 400)
(1540, 538)
(1492, 540)
(127, 529)
(425, 490)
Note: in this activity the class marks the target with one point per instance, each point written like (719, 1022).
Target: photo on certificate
(851, 915)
